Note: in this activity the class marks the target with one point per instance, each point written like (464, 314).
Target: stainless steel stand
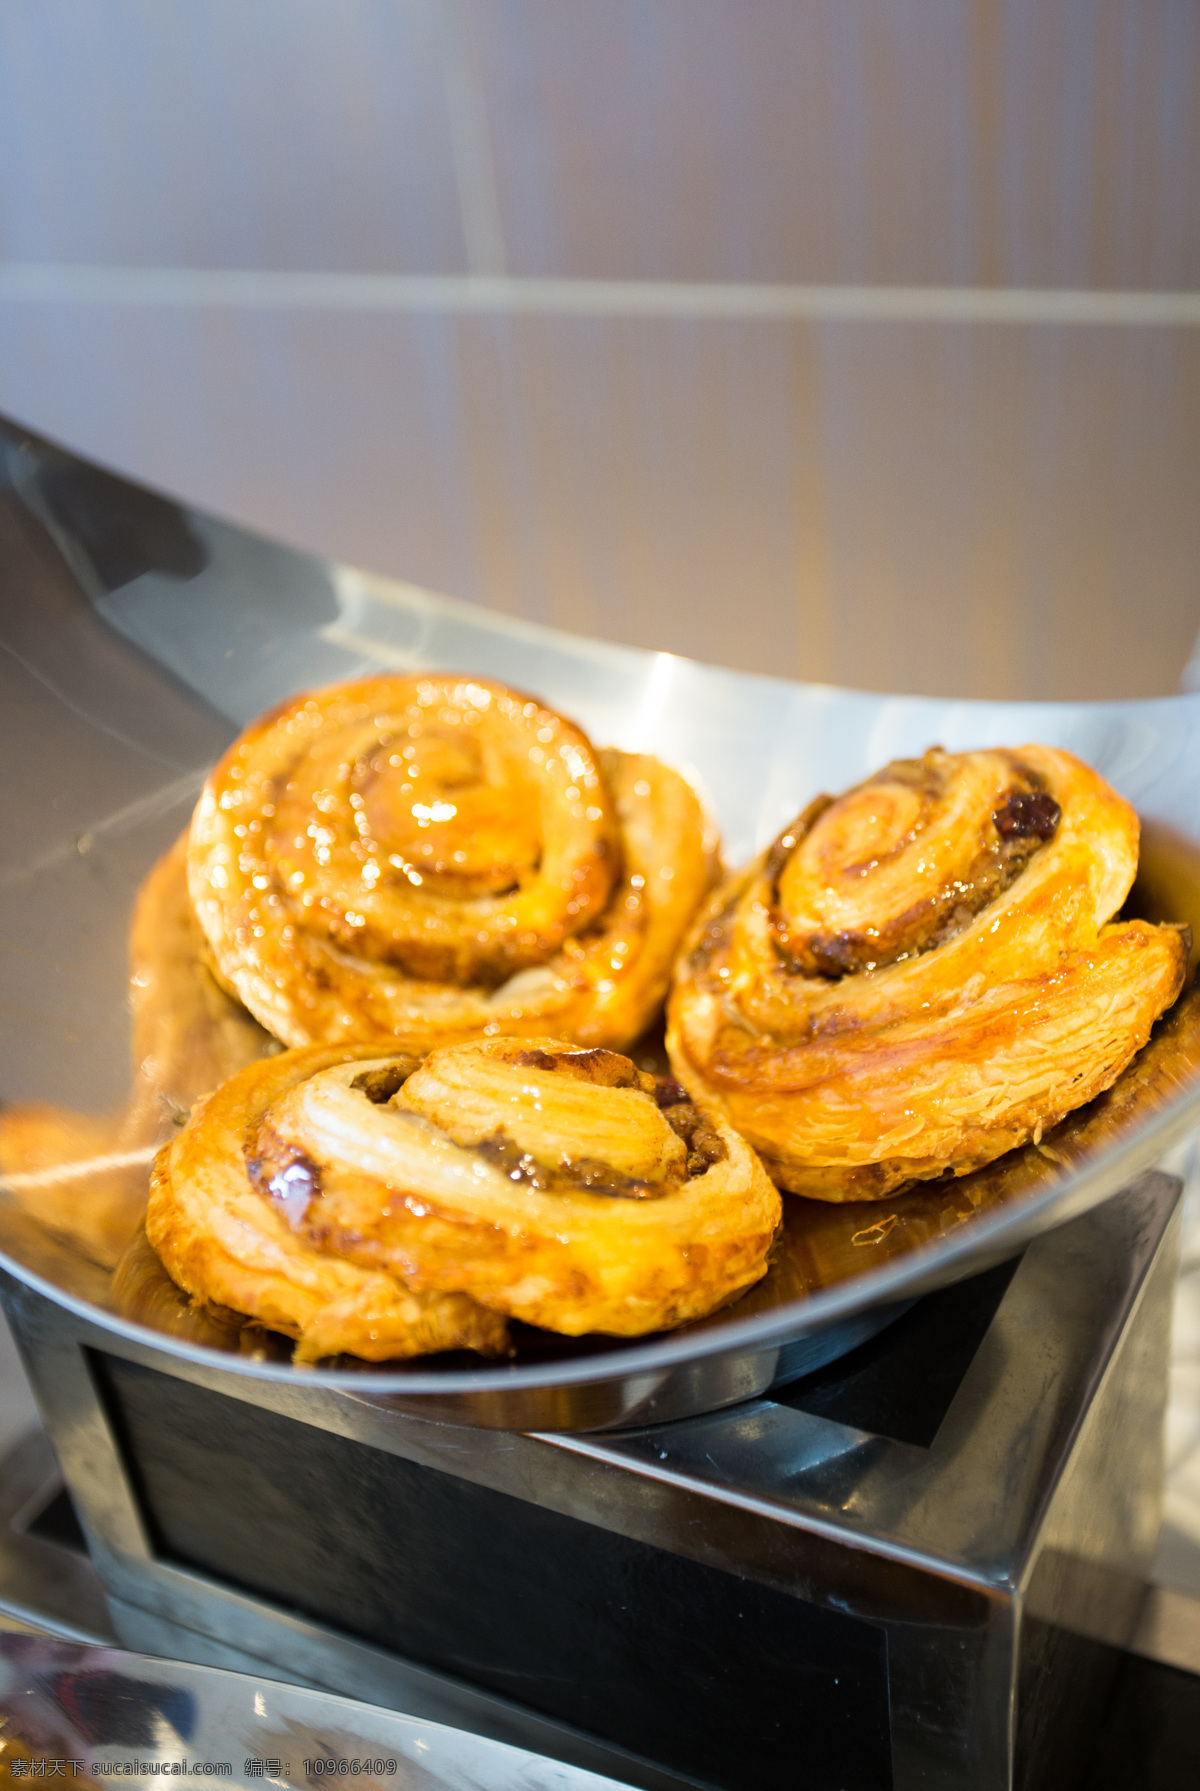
(44, 1585)
(922, 1602)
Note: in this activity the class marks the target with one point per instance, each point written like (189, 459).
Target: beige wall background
(819, 337)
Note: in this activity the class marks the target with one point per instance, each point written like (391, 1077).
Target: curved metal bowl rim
(987, 1238)
(457, 634)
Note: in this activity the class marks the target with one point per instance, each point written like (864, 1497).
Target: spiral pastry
(924, 973)
(385, 1207)
(435, 858)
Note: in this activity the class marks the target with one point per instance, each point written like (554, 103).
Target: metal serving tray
(139, 636)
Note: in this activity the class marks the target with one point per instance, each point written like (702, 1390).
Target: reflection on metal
(1168, 1629)
(29, 1180)
(172, 629)
(114, 1713)
(51, 1588)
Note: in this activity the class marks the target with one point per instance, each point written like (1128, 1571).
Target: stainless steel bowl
(140, 636)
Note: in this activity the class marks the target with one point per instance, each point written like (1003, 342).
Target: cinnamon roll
(423, 859)
(924, 973)
(382, 1206)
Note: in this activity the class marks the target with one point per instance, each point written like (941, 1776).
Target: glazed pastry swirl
(363, 1204)
(430, 858)
(921, 975)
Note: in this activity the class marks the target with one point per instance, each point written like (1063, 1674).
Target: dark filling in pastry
(704, 1142)
(586, 1175)
(380, 1085)
(1032, 814)
(705, 1146)
(606, 1069)
(291, 1180)
(1023, 823)
(282, 1172)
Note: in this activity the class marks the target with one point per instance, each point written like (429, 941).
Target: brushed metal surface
(123, 692)
(53, 1589)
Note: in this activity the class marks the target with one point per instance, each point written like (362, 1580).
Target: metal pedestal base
(925, 1601)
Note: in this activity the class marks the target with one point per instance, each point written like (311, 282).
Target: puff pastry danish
(924, 973)
(382, 1207)
(424, 859)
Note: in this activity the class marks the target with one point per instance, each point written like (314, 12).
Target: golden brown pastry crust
(361, 1206)
(434, 858)
(228, 1245)
(922, 975)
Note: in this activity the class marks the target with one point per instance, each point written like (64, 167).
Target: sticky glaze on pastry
(923, 973)
(434, 858)
(367, 1205)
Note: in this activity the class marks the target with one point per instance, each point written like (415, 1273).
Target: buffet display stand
(888, 1526)
(908, 1569)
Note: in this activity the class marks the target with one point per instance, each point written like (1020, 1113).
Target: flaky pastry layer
(924, 973)
(365, 1206)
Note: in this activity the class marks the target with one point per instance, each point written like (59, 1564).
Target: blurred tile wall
(989, 505)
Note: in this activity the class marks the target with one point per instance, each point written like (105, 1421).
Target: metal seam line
(62, 283)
